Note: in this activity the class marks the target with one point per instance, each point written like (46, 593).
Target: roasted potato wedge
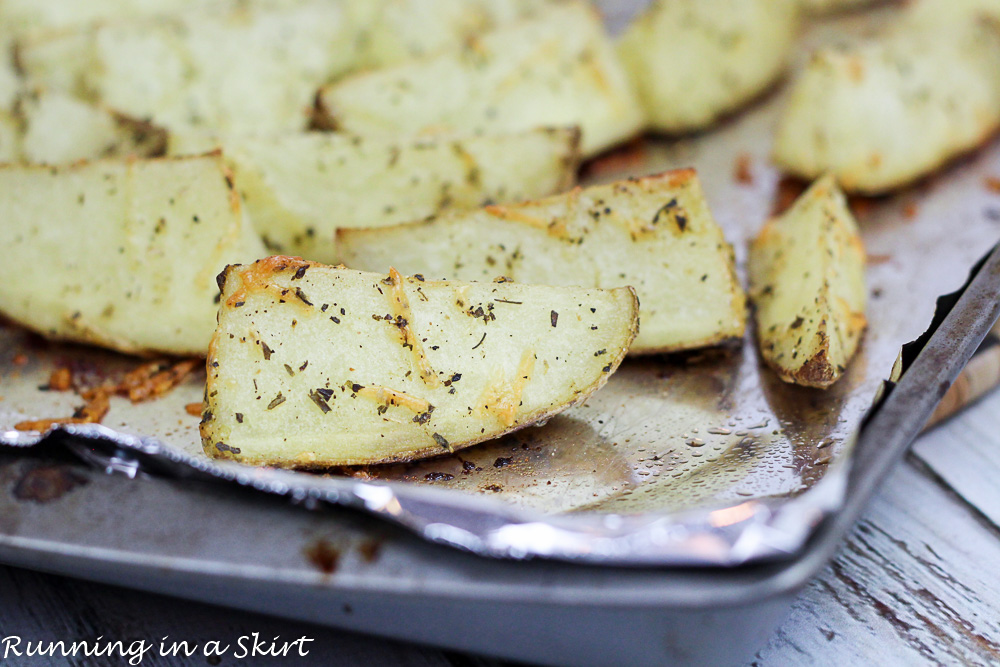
(227, 66)
(317, 366)
(829, 6)
(693, 61)
(931, 13)
(120, 253)
(59, 128)
(224, 67)
(655, 234)
(394, 31)
(557, 69)
(41, 15)
(9, 83)
(10, 137)
(299, 189)
(807, 284)
(881, 115)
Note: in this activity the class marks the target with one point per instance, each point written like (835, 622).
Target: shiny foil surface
(699, 458)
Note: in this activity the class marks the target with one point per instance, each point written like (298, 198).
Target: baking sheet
(694, 459)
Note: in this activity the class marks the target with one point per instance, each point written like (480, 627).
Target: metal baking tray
(773, 489)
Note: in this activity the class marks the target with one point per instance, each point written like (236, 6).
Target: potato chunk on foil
(656, 234)
(299, 189)
(316, 366)
(59, 128)
(807, 285)
(693, 61)
(556, 69)
(882, 114)
(120, 253)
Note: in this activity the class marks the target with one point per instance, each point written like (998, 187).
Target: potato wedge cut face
(120, 253)
(9, 84)
(807, 283)
(299, 189)
(829, 6)
(223, 67)
(397, 30)
(655, 234)
(242, 66)
(880, 115)
(558, 69)
(317, 366)
(59, 128)
(10, 137)
(36, 15)
(694, 60)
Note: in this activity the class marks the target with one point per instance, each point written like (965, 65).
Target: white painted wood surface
(918, 581)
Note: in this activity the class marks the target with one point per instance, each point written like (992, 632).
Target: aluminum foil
(703, 458)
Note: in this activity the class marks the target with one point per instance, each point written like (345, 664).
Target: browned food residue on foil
(155, 379)
(148, 381)
(742, 171)
(323, 556)
(61, 379)
(47, 483)
(91, 412)
(370, 549)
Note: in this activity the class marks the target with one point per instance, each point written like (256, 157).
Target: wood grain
(916, 582)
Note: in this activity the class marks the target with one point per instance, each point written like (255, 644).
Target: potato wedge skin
(299, 189)
(654, 233)
(315, 366)
(120, 253)
(886, 113)
(556, 69)
(692, 61)
(808, 288)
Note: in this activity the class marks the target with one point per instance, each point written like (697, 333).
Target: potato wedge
(39, 15)
(655, 233)
(931, 13)
(693, 61)
(317, 366)
(10, 137)
(225, 67)
(59, 128)
(807, 284)
(886, 113)
(9, 83)
(557, 69)
(229, 66)
(299, 189)
(830, 6)
(394, 31)
(120, 253)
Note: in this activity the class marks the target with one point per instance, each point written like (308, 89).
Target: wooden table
(916, 583)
